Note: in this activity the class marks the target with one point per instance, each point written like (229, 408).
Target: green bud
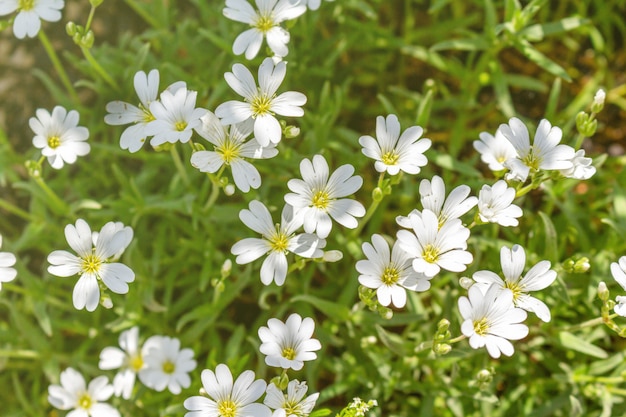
(291, 132)
(229, 189)
(332, 256)
(283, 381)
(223, 181)
(34, 168)
(603, 291)
(568, 265)
(582, 265)
(581, 119)
(198, 147)
(484, 78)
(466, 282)
(226, 268)
(70, 28)
(76, 37)
(4, 24)
(377, 194)
(598, 101)
(96, 3)
(484, 375)
(442, 349)
(87, 40)
(106, 302)
(443, 325)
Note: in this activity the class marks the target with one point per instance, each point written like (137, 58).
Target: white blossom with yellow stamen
(494, 150)
(228, 398)
(318, 196)
(539, 277)
(84, 400)
(394, 152)
(288, 345)
(433, 248)
(390, 273)
(490, 320)
(230, 148)
(261, 103)
(265, 23)
(93, 262)
(293, 403)
(30, 13)
(129, 359)
(277, 240)
(166, 364)
(58, 136)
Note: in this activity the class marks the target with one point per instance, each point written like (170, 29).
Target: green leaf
(540, 59)
(551, 248)
(447, 162)
(503, 96)
(335, 311)
(573, 342)
(425, 107)
(467, 44)
(537, 32)
(392, 341)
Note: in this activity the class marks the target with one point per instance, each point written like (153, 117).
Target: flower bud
(70, 28)
(443, 325)
(227, 266)
(34, 169)
(96, 3)
(87, 40)
(229, 189)
(442, 349)
(603, 291)
(106, 302)
(484, 375)
(291, 132)
(377, 194)
(598, 101)
(582, 265)
(466, 282)
(332, 256)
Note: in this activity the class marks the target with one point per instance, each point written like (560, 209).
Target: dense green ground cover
(454, 68)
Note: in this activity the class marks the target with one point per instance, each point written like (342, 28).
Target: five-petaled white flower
(490, 320)
(495, 204)
(265, 22)
(581, 167)
(434, 248)
(389, 273)
(73, 394)
(537, 278)
(293, 403)
(277, 240)
(618, 270)
(544, 154)
(230, 148)
(121, 113)
(318, 197)
(261, 103)
(166, 364)
(30, 14)
(128, 359)
(494, 150)
(288, 345)
(175, 116)
(58, 136)
(394, 152)
(433, 198)
(7, 261)
(92, 263)
(227, 398)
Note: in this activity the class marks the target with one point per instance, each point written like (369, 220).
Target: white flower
(260, 103)
(494, 151)
(432, 248)
(30, 13)
(292, 404)
(581, 167)
(265, 22)
(311, 4)
(491, 320)
(394, 152)
(495, 204)
(92, 263)
(125, 231)
(7, 260)
(537, 278)
(277, 241)
(227, 398)
(58, 136)
(389, 273)
(121, 113)
(599, 97)
(128, 359)
(73, 394)
(618, 270)
(288, 345)
(544, 154)
(230, 148)
(318, 197)
(433, 198)
(175, 116)
(166, 364)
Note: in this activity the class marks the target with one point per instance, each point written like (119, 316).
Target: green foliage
(454, 68)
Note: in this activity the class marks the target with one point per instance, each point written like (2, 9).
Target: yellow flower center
(321, 200)
(85, 402)
(169, 367)
(148, 116)
(292, 408)
(229, 151)
(531, 160)
(54, 142)
(515, 288)
(180, 126)
(26, 5)
(136, 363)
(391, 275)
(441, 220)
(264, 23)
(390, 158)
(279, 241)
(227, 408)
(289, 353)
(481, 327)
(261, 105)
(91, 264)
(430, 254)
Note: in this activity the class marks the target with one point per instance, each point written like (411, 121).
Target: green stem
(56, 63)
(143, 14)
(590, 323)
(96, 65)
(16, 210)
(57, 204)
(371, 209)
(179, 165)
(90, 18)
(456, 339)
(215, 188)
